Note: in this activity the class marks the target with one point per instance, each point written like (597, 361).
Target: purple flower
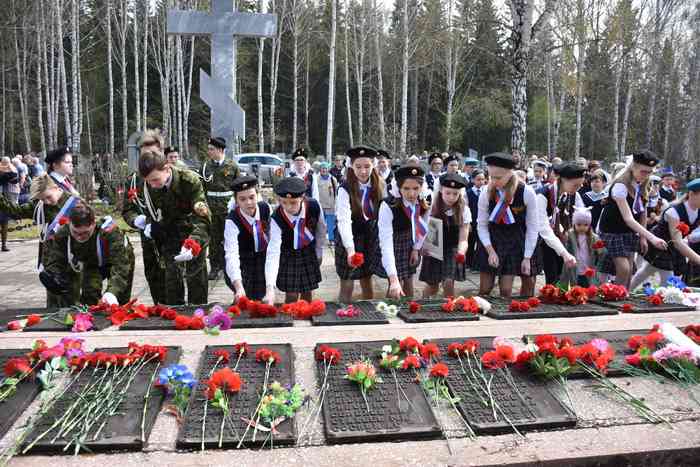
(74, 353)
(82, 322)
(218, 317)
(600, 344)
(199, 312)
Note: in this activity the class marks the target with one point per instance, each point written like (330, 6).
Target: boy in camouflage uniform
(49, 204)
(168, 205)
(82, 254)
(218, 175)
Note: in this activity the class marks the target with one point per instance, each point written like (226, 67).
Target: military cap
(408, 171)
(433, 156)
(218, 142)
(646, 157)
(244, 183)
(290, 187)
(500, 159)
(540, 163)
(170, 149)
(570, 169)
(451, 158)
(453, 181)
(55, 155)
(382, 153)
(694, 185)
(361, 151)
(300, 152)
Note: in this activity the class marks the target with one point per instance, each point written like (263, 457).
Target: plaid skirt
(403, 246)
(252, 276)
(299, 270)
(367, 243)
(434, 271)
(617, 246)
(669, 260)
(509, 243)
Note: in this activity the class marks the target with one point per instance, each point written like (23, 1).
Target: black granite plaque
(640, 305)
(26, 391)
(368, 315)
(431, 311)
(500, 310)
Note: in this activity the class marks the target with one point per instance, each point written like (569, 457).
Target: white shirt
(531, 219)
(692, 213)
(545, 228)
(274, 247)
(314, 181)
(386, 236)
(233, 258)
(343, 213)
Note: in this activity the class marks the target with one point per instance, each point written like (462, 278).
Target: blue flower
(676, 281)
(648, 289)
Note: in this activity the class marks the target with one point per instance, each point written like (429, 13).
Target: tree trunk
(331, 82)
(616, 107)
(75, 72)
(39, 93)
(404, 83)
(261, 117)
(3, 120)
(694, 92)
(125, 90)
(110, 78)
(188, 100)
(359, 47)
(274, 66)
(550, 99)
(89, 126)
(557, 121)
(306, 94)
(145, 68)
(625, 121)
(347, 76)
(295, 81)
(670, 98)
(21, 94)
(137, 80)
(428, 99)
(63, 80)
(380, 84)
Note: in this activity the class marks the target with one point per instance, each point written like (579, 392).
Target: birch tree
(137, 81)
(261, 116)
(346, 66)
(378, 33)
(358, 15)
(110, 76)
(280, 8)
(331, 81)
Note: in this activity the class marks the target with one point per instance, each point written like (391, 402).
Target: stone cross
(223, 25)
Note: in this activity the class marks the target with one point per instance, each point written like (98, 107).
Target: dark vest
(668, 195)
(473, 201)
(313, 211)
(450, 231)
(517, 207)
(401, 220)
(430, 180)
(566, 206)
(596, 208)
(661, 229)
(246, 242)
(611, 220)
(308, 180)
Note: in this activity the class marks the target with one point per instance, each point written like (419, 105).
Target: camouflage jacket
(217, 180)
(182, 205)
(108, 250)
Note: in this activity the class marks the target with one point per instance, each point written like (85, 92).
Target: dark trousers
(153, 270)
(553, 264)
(216, 241)
(470, 256)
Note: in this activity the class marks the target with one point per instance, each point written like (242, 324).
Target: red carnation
(182, 322)
(655, 299)
(634, 360)
(33, 319)
(506, 353)
(222, 355)
(627, 308)
(570, 353)
(132, 194)
(514, 306)
(439, 370)
(357, 260)
(17, 367)
(544, 339)
(411, 361)
(492, 361)
(243, 303)
(197, 323)
(329, 354)
(63, 220)
(14, 326)
(192, 245)
(683, 228)
(414, 307)
(454, 349)
(470, 346)
(534, 302)
(598, 245)
(635, 342)
(234, 310)
(169, 314)
(241, 348)
(460, 258)
(265, 355)
(408, 344)
(589, 272)
(226, 380)
(592, 291)
(653, 339)
(430, 350)
(524, 357)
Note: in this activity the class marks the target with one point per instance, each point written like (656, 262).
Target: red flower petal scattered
(414, 307)
(589, 272)
(627, 308)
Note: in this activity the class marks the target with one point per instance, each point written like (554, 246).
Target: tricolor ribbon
(256, 230)
(101, 242)
(502, 214)
(302, 235)
(64, 212)
(367, 210)
(638, 206)
(419, 227)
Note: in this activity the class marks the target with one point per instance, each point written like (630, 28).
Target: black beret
(383, 153)
(300, 152)
(170, 149)
(477, 172)
(55, 155)
(360, 151)
(451, 158)
(244, 183)
(433, 156)
(290, 187)
(647, 158)
(408, 171)
(570, 170)
(500, 159)
(453, 181)
(218, 142)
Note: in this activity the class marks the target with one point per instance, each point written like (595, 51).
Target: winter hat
(582, 215)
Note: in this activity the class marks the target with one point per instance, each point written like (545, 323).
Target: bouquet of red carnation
(683, 228)
(598, 245)
(357, 260)
(693, 331)
(517, 306)
(192, 245)
(302, 309)
(550, 294)
(612, 292)
(132, 194)
(414, 307)
(576, 295)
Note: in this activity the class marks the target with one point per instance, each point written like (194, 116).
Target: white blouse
(386, 236)
(233, 258)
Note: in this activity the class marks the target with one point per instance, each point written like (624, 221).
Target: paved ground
(606, 430)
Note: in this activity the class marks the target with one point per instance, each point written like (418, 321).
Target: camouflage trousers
(175, 275)
(87, 285)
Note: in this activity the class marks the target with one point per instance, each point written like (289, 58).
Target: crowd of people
(502, 217)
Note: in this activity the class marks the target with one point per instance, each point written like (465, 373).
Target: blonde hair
(41, 185)
(626, 177)
(151, 137)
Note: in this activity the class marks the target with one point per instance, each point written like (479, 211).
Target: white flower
(673, 295)
(392, 310)
(381, 307)
(386, 349)
(483, 304)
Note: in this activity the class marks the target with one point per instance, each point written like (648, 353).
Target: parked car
(262, 165)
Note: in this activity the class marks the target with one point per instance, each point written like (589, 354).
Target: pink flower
(82, 323)
(52, 352)
(674, 351)
(600, 344)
